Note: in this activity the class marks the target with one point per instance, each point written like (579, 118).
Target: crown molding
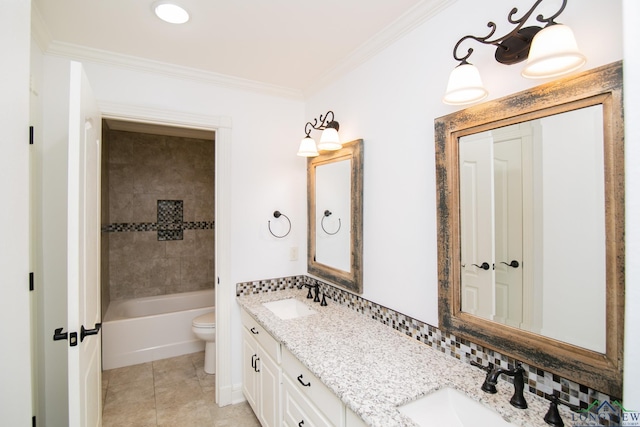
(411, 19)
(406, 23)
(85, 54)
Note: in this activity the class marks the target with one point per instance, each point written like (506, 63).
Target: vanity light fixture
(550, 52)
(170, 12)
(329, 140)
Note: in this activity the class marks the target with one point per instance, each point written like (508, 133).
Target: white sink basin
(289, 308)
(450, 407)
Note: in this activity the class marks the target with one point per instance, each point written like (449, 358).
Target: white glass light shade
(171, 13)
(553, 52)
(465, 86)
(307, 147)
(329, 141)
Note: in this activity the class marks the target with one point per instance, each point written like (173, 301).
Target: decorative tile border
(540, 382)
(153, 226)
(170, 225)
(130, 226)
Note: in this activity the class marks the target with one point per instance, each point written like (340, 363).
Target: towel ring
(327, 213)
(278, 214)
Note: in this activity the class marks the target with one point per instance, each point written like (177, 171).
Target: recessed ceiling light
(170, 12)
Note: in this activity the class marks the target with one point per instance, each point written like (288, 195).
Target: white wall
(391, 102)
(573, 229)
(631, 398)
(15, 327)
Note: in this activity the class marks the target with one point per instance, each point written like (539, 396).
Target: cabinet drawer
(311, 387)
(298, 410)
(268, 343)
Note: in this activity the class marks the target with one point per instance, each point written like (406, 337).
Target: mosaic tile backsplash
(540, 382)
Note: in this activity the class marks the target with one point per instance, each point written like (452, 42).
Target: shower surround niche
(158, 185)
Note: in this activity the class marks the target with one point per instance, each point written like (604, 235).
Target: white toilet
(204, 327)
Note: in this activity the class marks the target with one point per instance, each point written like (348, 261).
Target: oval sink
(453, 408)
(289, 308)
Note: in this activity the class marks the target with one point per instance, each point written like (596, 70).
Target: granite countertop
(373, 368)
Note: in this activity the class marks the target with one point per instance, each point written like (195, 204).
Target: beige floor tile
(179, 362)
(173, 392)
(209, 395)
(129, 374)
(170, 376)
(198, 359)
(129, 393)
(191, 414)
(206, 380)
(178, 393)
(231, 412)
(136, 414)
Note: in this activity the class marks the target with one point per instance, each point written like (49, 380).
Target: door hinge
(31, 282)
(30, 135)
(33, 421)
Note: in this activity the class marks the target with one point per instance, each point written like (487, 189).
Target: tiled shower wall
(143, 170)
(538, 381)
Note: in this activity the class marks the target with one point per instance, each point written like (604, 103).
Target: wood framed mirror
(560, 261)
(334, 198)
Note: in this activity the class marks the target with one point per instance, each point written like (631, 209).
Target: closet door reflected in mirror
(532, 207)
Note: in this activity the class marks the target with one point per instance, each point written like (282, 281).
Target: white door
(507, 169)
(476, 225)
(83, 251)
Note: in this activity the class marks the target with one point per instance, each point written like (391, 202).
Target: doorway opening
(158, 237)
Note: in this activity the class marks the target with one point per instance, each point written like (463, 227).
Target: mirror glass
(532, 213)
(333, 219)
(530, 200)
(334, 194)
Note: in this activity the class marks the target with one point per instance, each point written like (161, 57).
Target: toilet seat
(207, 320)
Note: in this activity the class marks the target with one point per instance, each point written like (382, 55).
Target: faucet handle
(480, 365)
(552, 417)
(489, 385)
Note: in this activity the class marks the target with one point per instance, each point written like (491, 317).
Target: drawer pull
(301, 423)
(255, 368)
(302, 382)
(254, 331)
(253, 361)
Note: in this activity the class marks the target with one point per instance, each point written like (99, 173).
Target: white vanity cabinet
(261, 373)
(353, 420)
(306, 400)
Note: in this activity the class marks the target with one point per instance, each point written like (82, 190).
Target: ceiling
(293, 45)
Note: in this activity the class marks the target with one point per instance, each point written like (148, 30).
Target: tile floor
(170, 392)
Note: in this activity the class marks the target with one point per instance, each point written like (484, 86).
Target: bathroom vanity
(308, 365)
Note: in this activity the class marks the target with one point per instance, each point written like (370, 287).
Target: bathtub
(146, 329)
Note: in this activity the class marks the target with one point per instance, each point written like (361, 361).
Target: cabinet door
(269, 389)
(249, 370)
